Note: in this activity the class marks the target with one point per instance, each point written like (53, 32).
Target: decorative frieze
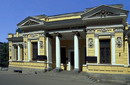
(104, 30)
(33, 36)
(118, 29)
(90, 30)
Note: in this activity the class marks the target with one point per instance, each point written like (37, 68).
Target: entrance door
(71, 60)
(35, 50)
(105, 57)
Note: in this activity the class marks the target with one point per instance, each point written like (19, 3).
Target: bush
(4, 55)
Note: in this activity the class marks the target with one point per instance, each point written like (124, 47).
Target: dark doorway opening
(35, 51)
(63, 55)
(72, 59)
(105, 54)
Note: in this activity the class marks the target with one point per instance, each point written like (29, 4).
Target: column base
(57, 70)
(76, 70)
(49, 69)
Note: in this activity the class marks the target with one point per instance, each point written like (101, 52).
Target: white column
(76, 53)
(113, 50)
(49, 53)
(29, 50)
(19, 53)
(38, 47)
(58, 58)
(97, 49)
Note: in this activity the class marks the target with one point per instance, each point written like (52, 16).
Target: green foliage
(19, 30)
(4, 53)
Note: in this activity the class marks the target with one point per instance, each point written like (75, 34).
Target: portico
(63, 44)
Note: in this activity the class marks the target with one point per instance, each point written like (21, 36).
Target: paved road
(7, 78)
(10, 78)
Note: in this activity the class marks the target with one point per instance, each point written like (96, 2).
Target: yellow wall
(111, 69)
(25, 40)
(61, 18)
(10, 50)
(91, 51)
(28, 65)
(43, 50)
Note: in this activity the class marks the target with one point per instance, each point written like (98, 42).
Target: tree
(19, 30)
(4, 53)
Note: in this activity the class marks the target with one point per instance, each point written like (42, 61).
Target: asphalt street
(11, 78)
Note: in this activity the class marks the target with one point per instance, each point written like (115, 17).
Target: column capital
(48, 35)
(58, 34)
(76, 33)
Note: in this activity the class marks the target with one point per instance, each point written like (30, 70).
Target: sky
(14, 11)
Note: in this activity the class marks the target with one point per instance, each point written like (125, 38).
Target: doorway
(71, 60)
(105, 54)
(35, 51)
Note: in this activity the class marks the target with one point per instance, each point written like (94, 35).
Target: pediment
(103, 11)
(30, 21)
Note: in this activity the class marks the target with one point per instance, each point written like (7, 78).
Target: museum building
(93, 40)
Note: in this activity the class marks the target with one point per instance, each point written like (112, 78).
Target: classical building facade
(94, 40)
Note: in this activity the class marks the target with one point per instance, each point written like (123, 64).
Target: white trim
(10, 60)
(31, 20)
(84, 65)
(97, 49)
(19, 53)
(26, 61)
(35, 32)
(106, 64)
(18, 43)
(29, 50)
(107, 17)
(58, 57)
(76, 52)
(41, 61)
(66, 31)
(87, 46)
(49, 52)
(107, 26)
(113, 50)
(38, 47)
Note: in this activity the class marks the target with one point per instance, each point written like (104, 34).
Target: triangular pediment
(30, 21)
(103, 11)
